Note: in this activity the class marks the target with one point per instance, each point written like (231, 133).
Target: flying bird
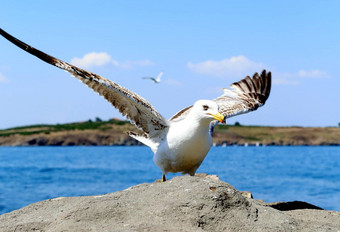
(155, 80)
(181, 143)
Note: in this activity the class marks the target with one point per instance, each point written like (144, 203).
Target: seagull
(155, 80)
(181, 143)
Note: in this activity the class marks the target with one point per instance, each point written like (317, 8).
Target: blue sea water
(31, 174)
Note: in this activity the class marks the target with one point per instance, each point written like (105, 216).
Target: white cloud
(312, 74)
(297, 77)
(241, 66)
(2, 78)
(95, 59)
(235, 66)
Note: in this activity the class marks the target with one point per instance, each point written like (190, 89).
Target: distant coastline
(113, 132)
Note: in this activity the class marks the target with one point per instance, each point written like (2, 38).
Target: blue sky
(201, 46)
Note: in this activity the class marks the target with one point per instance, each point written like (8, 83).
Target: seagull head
(207, 110)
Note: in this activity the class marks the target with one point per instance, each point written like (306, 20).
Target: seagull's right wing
(150, 78)
(130, 104)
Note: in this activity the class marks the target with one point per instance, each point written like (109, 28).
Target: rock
(183, 203)
(247, 194)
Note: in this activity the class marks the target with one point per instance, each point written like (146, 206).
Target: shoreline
(114, 133)
(141, 145)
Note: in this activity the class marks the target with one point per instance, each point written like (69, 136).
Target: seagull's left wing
(244, 96)
(158, 78)
(129, 104)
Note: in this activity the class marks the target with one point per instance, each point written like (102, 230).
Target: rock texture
(181, 204)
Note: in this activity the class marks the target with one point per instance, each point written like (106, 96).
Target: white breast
(184, 148)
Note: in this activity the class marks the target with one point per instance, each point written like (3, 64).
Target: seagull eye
(205, 107)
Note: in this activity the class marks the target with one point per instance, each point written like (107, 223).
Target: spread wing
(150, 78)
(129, 104)
(244, 96)
(159, 76)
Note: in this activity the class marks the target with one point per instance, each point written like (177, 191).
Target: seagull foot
(160, 180)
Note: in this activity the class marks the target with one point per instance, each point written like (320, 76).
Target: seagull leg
(163, 178)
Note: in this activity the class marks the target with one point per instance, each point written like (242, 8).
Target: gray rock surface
(181, 204)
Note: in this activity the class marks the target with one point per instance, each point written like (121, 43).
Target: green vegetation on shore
(47, 129)
(113, 132)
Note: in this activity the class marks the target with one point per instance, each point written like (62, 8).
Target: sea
(270, 173)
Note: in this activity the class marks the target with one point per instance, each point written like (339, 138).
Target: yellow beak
(218, 117)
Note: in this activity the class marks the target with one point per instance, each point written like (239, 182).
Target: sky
(201, 46)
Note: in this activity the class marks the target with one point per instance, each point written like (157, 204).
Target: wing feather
(246, 95)
(129, 104)
(181, 114)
